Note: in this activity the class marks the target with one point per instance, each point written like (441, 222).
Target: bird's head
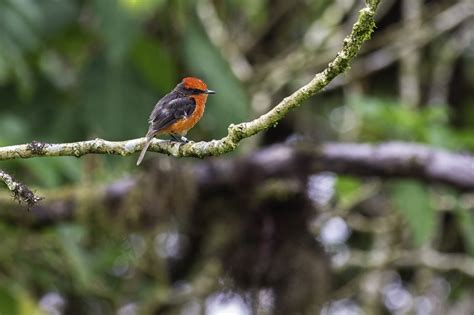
(195, 86)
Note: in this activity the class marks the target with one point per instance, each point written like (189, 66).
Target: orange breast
(182, 126)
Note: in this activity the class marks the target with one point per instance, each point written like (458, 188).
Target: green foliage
(156, 64)
(17, 302)
(70, 238)
(19, 22)
(99, 262)
(381, 119)
(12, 128)
(142, 8)
(8, 302)
(412, 200)
(349, 190)
(52, 172)
(73, 70)
(255, 10)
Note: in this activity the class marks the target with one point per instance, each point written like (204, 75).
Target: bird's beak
(210, 92)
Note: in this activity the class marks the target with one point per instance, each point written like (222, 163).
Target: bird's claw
(181, 139)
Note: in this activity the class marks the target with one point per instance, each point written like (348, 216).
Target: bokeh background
(184, 236)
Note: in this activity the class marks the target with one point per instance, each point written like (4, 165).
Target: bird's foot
(182, 139)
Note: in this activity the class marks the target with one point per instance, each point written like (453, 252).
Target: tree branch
(20, 191)
(361, 31)
(401, 159)
(385, 160)
(391, 159)
(428, 258)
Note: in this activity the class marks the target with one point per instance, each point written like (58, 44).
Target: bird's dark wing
(168, 111)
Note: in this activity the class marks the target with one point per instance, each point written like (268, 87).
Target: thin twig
(19, 190)
(428, 258)
(219, 36)
(409, 78)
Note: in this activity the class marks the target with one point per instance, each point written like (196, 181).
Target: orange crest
(194, 83)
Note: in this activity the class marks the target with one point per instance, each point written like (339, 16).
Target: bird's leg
(177, 138)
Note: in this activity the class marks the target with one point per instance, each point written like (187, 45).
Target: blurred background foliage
(79, 69)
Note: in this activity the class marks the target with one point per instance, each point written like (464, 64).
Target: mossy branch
(361, 31)
(19, 190)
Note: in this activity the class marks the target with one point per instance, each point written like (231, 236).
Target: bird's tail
(145, 148)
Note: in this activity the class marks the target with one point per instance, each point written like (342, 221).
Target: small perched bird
(177, 112)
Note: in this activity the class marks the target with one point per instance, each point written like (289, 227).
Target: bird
(177, 112)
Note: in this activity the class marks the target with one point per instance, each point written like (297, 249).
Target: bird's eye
(197, 91)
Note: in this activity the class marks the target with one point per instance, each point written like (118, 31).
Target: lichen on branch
(19, 190)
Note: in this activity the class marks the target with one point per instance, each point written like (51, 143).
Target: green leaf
(114, 103)
(19, 24)
(118, 29)
(8, 303)
(142, 8)
(156, 64)
(412, 201)
(12, 128)
(27, 304)
(70, 237)
(54, 171)
(348, 190)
